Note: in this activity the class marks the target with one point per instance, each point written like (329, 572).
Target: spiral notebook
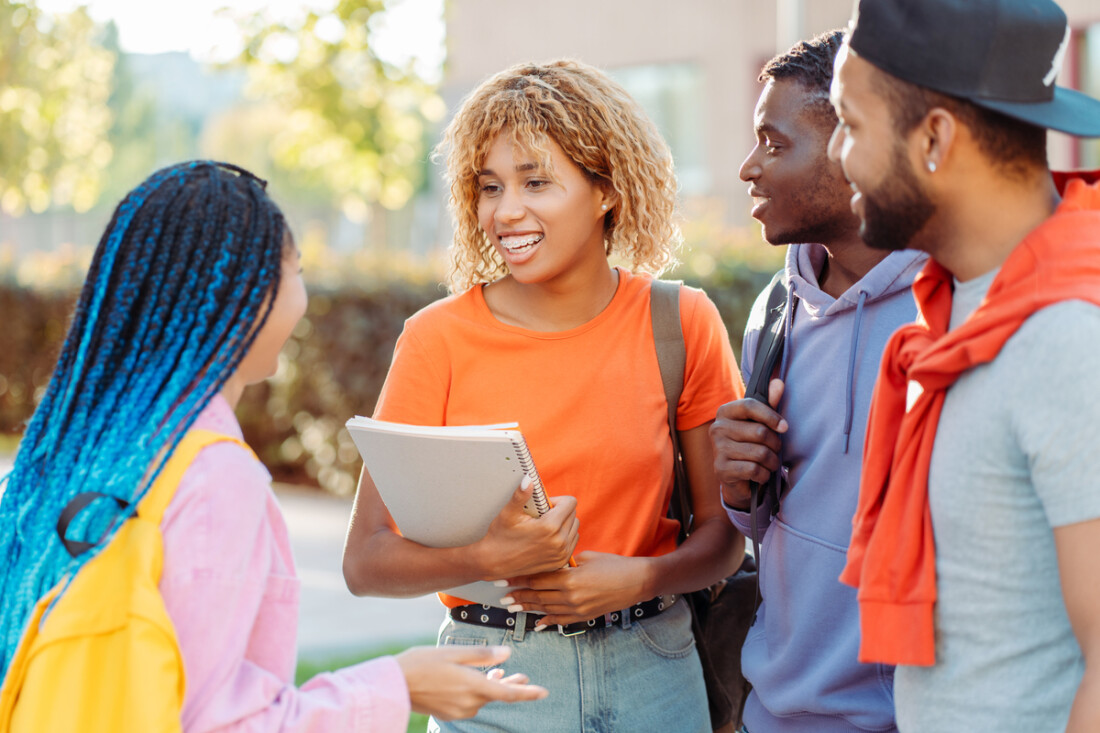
(443, 486)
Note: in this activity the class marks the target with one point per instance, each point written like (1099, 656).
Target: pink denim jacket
(230, 587)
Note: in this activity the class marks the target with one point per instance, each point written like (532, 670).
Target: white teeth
(517, 244)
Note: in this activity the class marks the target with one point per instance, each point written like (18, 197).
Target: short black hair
(810, 63)
(1013, 145)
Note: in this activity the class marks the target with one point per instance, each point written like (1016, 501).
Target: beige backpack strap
(159, 496)
(668, 337)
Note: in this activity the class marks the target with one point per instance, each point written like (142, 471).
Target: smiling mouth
(520, 244)
(757, 197)
(758, 203)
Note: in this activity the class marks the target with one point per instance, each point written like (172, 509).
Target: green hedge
(332, 368)
(31, 334)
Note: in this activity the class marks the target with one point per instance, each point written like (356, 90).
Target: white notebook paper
(443, 486)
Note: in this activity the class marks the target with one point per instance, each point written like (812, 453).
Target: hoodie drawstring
(850, 391)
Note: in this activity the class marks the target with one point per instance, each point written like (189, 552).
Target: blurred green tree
(55, 79)
(351, 122)
(133, 120)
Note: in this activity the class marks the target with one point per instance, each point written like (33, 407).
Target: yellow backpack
(106, 657)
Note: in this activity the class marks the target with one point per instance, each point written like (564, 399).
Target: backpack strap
(769, 349)
(155, 501)
(668, 337)
(770, 345)
(159, 496)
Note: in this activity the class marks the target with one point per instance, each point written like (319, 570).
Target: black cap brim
(1070, 111)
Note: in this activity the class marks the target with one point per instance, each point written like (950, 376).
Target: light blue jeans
(639, 676)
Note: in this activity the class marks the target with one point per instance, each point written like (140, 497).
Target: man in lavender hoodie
(845, 300)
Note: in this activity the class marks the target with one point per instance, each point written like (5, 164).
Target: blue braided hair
(181, 281)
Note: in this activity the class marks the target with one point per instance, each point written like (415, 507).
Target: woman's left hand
(601, 583)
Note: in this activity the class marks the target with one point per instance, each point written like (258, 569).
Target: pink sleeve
(230, 587)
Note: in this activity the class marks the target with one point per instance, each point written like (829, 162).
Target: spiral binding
(538, 493)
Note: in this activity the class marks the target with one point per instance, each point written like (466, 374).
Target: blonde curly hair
(598, 126)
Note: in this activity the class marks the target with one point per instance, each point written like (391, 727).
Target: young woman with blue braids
(194, 288)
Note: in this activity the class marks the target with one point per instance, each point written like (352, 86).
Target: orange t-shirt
(589, 400)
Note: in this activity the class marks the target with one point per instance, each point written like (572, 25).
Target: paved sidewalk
(332, 621)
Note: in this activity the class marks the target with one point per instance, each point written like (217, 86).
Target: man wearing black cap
(978, 524)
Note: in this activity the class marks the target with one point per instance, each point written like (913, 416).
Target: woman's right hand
(519, 544)
(379, 561)
(443, 684)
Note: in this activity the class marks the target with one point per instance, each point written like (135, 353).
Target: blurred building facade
(693, 65)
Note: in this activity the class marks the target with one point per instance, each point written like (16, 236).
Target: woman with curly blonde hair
(554, 169)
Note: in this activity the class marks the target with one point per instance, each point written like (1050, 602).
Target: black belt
(485, 615)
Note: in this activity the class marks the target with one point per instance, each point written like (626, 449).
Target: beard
(897, 209)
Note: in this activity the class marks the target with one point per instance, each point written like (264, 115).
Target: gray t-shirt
(1015, 455)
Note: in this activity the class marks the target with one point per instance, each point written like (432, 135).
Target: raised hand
(746, 437)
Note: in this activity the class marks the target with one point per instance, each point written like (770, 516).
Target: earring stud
(931, 166)
(604, 207)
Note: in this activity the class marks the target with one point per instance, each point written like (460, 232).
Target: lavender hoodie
(801, 654)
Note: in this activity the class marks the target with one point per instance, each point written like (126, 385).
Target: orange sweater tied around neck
(892, 555)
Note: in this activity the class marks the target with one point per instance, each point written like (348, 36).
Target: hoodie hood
(894, 273)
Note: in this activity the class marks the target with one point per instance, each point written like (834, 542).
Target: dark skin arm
(604, 582)
(378, 561)
(747, 436)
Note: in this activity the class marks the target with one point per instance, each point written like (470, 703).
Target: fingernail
(500, 583)
(541, 627)
(515, 608)
(525, 483)
(507, 600)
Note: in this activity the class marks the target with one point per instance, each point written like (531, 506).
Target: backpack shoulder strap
(769, 348)
(156, 500)
(668, 337)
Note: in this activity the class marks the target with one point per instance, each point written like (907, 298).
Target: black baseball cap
(1003, 55)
